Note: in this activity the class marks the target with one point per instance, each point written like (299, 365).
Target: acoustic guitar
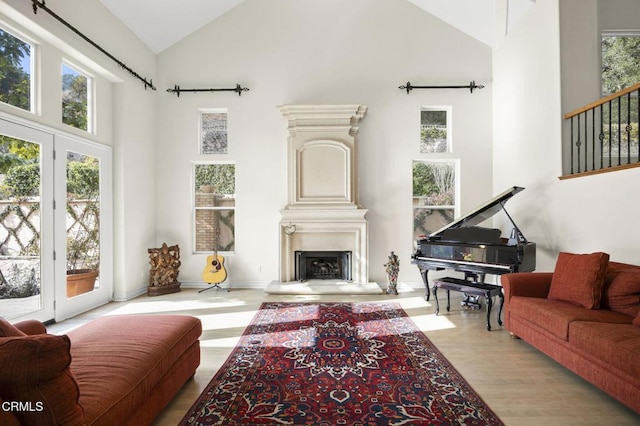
(214, 272)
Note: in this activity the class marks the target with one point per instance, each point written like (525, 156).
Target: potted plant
(83, 230)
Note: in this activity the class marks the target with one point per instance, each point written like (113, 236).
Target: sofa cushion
(636, 320)
(115, 376)
(621, 291)
(555, 316)
(578, 278)
(35, 371)
(616, 344)
(7, 329)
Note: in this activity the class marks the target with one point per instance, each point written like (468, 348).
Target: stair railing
(604, 134)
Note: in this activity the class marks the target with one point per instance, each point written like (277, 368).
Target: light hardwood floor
(522, 385)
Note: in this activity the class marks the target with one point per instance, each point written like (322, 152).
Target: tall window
(435, 129)
(620, 69)
(15, 71)
(214, 206)
(75, 98)
(434, 196)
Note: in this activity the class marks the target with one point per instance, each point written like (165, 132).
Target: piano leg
(501, 295)
(489, 305)
(425, 280)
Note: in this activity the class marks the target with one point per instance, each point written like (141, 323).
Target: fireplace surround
(323, 213)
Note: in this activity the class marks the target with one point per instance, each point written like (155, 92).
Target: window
(215, 203)
(16, 87)
(435, 129)
(75, 98)
(434, 195)
(213, 131)
(620, 60)
(620, 69)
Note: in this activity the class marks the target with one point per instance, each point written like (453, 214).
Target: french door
(55, 190)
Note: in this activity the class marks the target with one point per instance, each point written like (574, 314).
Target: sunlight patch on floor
(225, 342)
(167, 306)
(226, 320)
(432, 322)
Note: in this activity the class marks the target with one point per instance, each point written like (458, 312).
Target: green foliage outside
(83, 179)
(74, 100)
(220, 176)
(435, 182)
(620, 62)
(15, 83)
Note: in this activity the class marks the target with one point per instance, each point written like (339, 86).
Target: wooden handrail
(603, 101)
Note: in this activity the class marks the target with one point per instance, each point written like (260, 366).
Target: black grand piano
(476, 251)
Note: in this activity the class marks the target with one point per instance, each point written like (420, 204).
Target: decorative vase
(81, 281)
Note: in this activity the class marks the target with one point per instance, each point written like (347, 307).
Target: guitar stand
(214, 285)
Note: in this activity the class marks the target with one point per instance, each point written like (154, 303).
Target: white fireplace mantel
(321, 152)
(323, 212)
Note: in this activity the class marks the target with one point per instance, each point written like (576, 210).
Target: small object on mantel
(163, 275)
(392, 268)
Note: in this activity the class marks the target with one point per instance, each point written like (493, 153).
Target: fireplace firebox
(323, 265)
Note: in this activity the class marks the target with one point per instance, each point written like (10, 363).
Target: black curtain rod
(37, 4)
(471, 86)
(238, 89)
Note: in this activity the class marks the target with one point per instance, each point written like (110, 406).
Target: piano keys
(476, 251)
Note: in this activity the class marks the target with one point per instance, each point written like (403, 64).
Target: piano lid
(482, 213)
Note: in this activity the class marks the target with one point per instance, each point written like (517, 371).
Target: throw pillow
(578, 278)
(621, 292)
(35, 372)
(7, 329)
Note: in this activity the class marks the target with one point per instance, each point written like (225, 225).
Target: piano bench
(472, 288)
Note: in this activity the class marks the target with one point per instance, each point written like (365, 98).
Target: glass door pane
(25, 224)
(83, 223)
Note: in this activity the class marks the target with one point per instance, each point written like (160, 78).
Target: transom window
(16, 63)
(75, 98)
(435, 129)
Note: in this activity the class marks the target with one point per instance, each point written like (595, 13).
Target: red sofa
(586, 316)
(115, 370)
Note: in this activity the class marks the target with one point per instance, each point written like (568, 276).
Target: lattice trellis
(20, 229)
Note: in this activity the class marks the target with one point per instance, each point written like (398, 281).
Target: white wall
(582, 215)
(125, 115)
(318, 52)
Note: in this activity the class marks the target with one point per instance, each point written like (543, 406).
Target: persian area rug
(337, 364)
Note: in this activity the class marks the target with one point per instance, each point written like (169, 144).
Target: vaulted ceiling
(160, 24)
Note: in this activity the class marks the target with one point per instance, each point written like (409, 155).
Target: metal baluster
(578, 143)
(571, 150)
(593, 139)
(628, 128)
(601, 137)
(619, 131)
(610, 135)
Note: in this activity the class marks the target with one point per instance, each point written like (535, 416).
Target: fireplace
(323, 265)
(323, 218)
